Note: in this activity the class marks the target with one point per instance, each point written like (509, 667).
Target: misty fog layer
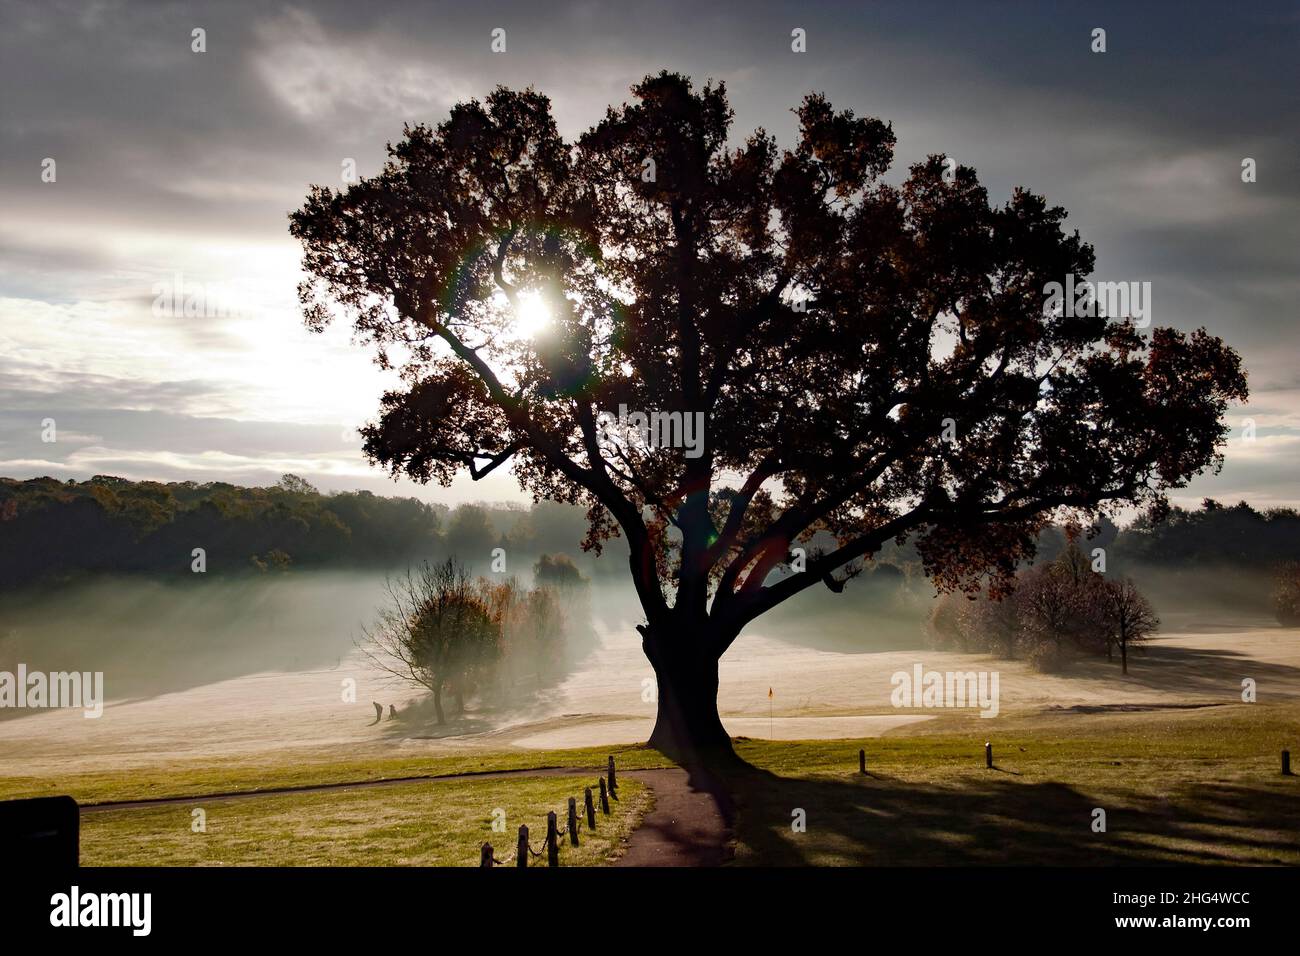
(245, 664)
(153, 637)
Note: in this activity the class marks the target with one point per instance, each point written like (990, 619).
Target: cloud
(171, 161)
(319, 76)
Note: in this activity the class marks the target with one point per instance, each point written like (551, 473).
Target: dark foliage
(825, 325)
(51, 528)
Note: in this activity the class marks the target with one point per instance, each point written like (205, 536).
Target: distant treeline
(1214, 537)
(1189, 562)
(1228, 557)
(51, 529)
(1231, 536)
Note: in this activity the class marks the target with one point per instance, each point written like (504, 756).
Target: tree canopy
(867, 359)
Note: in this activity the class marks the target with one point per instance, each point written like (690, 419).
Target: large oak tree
(871, 361)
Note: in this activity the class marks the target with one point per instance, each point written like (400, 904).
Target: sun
(532, 314)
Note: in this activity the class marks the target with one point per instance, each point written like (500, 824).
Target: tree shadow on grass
(882, 821)
(1213, 671)
(418, 720)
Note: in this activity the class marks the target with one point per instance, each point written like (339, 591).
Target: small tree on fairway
(946, 625)
(998, 622)
(867, 360)
(534, 626)
(1086, 628)
(436, 632)
(572, 590)
(544, 622)
(1126, 615)
(1048, 604)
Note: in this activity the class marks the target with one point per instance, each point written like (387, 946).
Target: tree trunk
(687, 726)
(1123, 656)
(437, 706)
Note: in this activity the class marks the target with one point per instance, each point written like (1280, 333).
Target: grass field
(423, 824)
(180, 778)
(1178, 785)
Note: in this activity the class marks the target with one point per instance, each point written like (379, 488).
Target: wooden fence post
(1286, 763)
(604, 798)
(485, 855)
(988, 755)
(591, 809)
(573, 820)
(552, 841)
(521, 851)
(862, 761)
(613, 781)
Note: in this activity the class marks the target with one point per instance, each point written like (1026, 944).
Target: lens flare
(532, 314)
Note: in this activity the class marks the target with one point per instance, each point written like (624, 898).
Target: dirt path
(686, 827)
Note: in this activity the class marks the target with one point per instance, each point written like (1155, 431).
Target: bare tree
(945, 626)
(998, 622)
(1127, 615)
(437, 631)
(976, 622)
(1048, 602)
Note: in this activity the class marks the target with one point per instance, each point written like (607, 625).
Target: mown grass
(1177, 786)
(421, 824)
(182, 778)
(1187, 786)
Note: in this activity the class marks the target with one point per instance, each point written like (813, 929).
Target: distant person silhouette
(392, 712)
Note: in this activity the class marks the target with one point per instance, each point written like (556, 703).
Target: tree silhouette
(1127, 616)
(869, 360)
(437, 631)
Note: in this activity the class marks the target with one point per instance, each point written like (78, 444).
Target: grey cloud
(220, 146)
(73, 391)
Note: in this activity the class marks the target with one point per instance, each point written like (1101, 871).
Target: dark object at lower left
(43, 832)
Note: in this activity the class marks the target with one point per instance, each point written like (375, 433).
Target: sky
(175, 168)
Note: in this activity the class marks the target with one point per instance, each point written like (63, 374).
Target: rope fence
(573, 825)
